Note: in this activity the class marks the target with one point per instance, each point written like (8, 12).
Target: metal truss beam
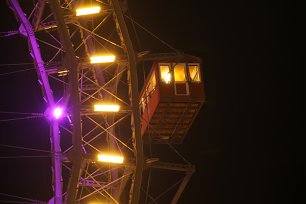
(146, 56)
(181, 188)
(70, 61)
(38, 13)
(134, 96)
(188, 168)
(27, 30)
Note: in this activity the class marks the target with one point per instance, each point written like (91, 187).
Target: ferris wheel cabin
(172, 96)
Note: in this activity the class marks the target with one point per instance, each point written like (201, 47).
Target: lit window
(194, 72)
(179, 72)
(165, 73)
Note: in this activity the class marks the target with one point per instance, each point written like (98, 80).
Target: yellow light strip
(88, 11)
(106, 108)
(110, 158)
(102, 59)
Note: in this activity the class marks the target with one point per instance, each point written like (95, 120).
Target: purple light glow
(57, 112)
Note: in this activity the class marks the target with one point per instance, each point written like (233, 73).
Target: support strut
(72, 65)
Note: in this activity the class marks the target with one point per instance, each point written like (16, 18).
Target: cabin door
(180, 79)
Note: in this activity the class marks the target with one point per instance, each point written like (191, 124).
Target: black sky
(242, 142)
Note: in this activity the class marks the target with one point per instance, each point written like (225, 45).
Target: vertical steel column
(135, 120)
(57, 164)
(42, 75)
(72, 65)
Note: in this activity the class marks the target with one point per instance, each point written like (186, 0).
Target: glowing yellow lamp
(102, 59)
(88, 11)
(106, 108)
(110, 158)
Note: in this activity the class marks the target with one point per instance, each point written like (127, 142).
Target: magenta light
(57, 112)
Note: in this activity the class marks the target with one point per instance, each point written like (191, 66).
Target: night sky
(242, 142)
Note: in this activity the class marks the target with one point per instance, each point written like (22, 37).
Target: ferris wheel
(122, 130)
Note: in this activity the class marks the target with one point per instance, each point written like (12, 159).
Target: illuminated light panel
(57, 112)
(102, 59)
(110, 158)
(88, 11)
(106, 108)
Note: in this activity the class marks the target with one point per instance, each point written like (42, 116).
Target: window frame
(186, 82)
(199, 73)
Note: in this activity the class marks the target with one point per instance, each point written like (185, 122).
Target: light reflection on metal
(88, 11)
(62, 73)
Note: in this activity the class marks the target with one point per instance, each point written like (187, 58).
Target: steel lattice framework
(61, 44)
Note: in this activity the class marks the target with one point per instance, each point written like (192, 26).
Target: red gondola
(172, 95)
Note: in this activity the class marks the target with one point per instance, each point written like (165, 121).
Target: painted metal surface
(166, 114)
